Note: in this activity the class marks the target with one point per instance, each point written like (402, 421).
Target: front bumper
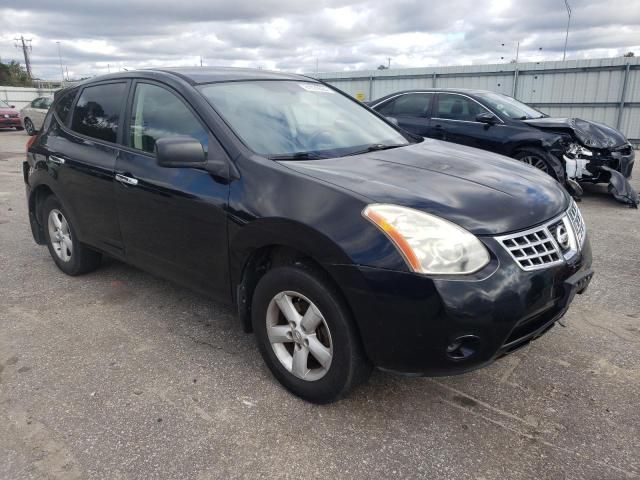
(408, 322)
(10, 122)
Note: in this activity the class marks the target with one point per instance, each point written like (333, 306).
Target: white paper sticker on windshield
(316, 87)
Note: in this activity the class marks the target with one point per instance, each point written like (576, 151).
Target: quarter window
(97, 112)
(158, 113)
(458, 107)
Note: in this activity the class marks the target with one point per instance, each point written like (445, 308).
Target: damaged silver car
(571, 150)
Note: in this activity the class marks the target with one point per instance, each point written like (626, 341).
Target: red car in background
(9, 116)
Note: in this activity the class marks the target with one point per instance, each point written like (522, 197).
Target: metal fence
(604, 90)
(21, 97)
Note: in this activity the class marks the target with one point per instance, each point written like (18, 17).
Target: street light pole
(566, 38)
(60, 58)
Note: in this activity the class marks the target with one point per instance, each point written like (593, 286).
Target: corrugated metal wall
(21, 97)
(605, 90)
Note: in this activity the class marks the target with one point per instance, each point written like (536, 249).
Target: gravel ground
(118, 374)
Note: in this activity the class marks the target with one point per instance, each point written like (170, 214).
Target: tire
(28, 125)
(537, 158)
(70, 255)
(322, 381)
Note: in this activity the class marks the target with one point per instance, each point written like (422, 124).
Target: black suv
(569, 149)
(344, 242)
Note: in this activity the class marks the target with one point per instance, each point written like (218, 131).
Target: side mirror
(180, 151)
(393, 120)
(486, 117)
(12, 106)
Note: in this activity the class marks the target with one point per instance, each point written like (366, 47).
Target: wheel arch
(37, 198)
(265, 244)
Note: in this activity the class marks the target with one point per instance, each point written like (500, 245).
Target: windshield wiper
(297, 156)
(374, 147)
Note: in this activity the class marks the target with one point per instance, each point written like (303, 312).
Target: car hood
(589, 134)
(483, 192)
(4, 111)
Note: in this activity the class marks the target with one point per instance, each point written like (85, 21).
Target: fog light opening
(463, 348)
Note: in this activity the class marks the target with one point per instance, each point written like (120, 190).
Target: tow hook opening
(464, 347)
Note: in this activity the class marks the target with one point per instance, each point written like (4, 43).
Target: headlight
(429, 244)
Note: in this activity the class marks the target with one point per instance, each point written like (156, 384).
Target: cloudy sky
(297, 35)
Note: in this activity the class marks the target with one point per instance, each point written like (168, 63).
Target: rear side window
(159, 113)
(64, 105)
(411, 104)
(97, 112)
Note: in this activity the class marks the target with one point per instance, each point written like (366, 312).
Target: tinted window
(36, 103)
(458, 107)
(64, 105)
(158, 113)
(97, 111)
(412, 104)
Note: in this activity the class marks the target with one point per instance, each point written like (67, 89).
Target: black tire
(81, 259)
(536, 157)
(348, 366)
(28, 125)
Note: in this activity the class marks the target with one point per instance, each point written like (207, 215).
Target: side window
(46, 103)
(387, 108)
(64, 105)
(457, 107)
(157, 113)
(36, 103)
(412, 104)
(97, 111)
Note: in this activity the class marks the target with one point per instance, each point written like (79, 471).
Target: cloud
(293, 35)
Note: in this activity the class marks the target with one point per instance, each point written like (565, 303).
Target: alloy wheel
(60, 235)
(28, 125)
(536, 162)
(299, 335)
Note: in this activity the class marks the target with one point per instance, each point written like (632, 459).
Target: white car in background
(33, 114)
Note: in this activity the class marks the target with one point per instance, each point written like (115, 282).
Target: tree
(629, 54)
(13, 75)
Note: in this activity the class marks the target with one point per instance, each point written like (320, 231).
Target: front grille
(549, 244)
(533, 249)
(577, 222)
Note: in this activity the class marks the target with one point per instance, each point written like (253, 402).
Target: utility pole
(517, 51)
(200, 60)
(25, 45)
(388, 63)
(566, 38)
(60, 58)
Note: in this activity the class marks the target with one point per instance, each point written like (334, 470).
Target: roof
(468, 91)
(197, 75)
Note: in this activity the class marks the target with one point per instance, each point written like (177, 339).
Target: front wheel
(537, 158)
(69, 254)
(305, 334)
(28, 125)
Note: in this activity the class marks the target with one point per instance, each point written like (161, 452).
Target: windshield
(282, 119)
(510, 107)
(4, 104)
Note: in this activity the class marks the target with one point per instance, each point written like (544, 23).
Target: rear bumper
(408, 322)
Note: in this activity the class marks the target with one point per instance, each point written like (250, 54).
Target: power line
(566, 38)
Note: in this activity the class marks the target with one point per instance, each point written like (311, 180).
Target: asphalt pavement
(118, 375)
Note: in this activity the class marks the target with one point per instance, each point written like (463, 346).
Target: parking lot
(118, 374)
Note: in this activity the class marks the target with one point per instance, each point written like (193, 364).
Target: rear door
(173, 220)
(81, 148)
(454, 120)
(411, 110)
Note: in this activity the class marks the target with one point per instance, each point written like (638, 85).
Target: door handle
(126, 180)
(58, 160)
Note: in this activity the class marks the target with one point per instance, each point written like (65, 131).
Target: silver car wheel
(60, 235)
(28, 125)
(299, 335)
(536, 162)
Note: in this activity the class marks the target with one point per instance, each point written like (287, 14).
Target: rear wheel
(28, 125)
(305, 334)
(69, 254)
